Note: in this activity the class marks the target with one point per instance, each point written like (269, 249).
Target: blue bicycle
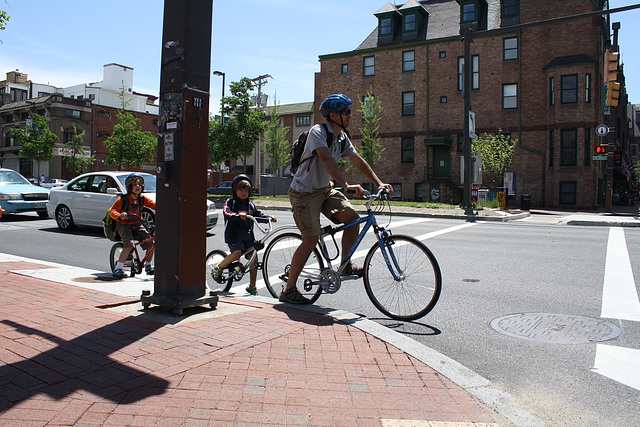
(401, 275)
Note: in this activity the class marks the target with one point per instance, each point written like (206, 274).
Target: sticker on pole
(602, 130)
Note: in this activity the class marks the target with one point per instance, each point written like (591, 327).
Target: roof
(299, 108)
(562, 61)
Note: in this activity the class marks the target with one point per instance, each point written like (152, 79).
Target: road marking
(619, 295)
(619, 364)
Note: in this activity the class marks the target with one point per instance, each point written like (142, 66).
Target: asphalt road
(490, 271)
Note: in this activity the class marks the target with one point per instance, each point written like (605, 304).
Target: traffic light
(613, 93)
(601, 150)
(610, 77)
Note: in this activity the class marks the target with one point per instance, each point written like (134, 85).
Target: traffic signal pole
(611, 140)
(183, 125)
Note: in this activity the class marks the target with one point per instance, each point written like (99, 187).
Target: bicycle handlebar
(268, 220)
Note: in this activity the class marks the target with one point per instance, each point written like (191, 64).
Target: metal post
(467, 80)
(182, 158)
(611, 137)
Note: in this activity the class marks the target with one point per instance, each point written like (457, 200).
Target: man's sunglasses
(346, 111)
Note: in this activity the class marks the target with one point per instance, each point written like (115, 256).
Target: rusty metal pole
(183, 125)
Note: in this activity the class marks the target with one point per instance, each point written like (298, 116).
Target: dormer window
(510, 8)
(410, 22)
(469, 11)
(386, 28)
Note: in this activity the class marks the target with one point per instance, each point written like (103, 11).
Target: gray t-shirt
(312, 175)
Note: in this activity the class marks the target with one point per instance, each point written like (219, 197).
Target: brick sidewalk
(65, 361)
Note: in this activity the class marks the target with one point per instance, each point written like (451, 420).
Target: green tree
(129, 145)
(236, 137)
(4, 18)
(497, 152)
(276, 146)
(36, 139)
(74, 154)
(370, 109)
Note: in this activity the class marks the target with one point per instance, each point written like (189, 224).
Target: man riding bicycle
(127, 210)
(311, 192)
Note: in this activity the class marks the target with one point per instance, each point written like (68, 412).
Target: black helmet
(237, 179)
(127, 182)
(335, 102)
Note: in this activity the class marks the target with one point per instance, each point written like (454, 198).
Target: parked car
(18, 195)
(86, 199)
(54, 183)
(223, 188)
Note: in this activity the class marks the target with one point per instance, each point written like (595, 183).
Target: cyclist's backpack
(298, 147)
(109, 224)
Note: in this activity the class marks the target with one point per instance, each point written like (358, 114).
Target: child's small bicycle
(134, 264)
(235, 271)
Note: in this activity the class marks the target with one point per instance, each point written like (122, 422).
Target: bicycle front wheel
(130, 263)
(416, 288)
(213, 258)
(277, 261)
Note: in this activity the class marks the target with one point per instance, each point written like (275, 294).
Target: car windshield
(12, 177)
(149, 182)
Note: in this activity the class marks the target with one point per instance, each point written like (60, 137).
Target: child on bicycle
(238, 229)
(128, 213)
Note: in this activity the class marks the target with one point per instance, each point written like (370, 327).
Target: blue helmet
(335, 102)
(127, 182)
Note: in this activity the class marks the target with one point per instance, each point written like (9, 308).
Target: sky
(67, 42)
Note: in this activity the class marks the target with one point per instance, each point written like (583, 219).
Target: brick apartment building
(541, 85)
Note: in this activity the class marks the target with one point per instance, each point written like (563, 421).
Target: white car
(53, 183)
(86, 199)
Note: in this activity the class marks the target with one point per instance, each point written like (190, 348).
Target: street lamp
(220, 73)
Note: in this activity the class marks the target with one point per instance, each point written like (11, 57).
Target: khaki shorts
(308, 206)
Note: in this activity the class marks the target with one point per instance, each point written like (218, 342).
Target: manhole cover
(556, 328)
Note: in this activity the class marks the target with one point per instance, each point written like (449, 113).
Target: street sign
(602, 130)
(599, 158)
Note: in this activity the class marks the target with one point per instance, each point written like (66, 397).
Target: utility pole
(611, 137)
(467, 79)
(257, 169)
(183, 125)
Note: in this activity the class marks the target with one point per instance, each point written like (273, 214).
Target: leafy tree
(236, 137)
(497, 152)
(75, 158)
(36, 139)
(129, 145)
(370, 109)
(276, 145)
(4, 18)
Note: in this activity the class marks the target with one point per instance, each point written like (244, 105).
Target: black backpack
(109, 224)
(298, 147)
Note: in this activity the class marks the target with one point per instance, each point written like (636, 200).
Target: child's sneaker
(252, 290)
(149, 269)
(217, 273)
(119, 274)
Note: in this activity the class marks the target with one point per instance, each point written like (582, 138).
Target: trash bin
(525, 202)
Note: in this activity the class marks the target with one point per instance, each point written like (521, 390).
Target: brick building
(541, 85)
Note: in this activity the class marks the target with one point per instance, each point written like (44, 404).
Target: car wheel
(64, 218)
(150, 220)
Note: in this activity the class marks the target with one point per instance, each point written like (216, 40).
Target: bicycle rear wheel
(277, 261)
(131, 265)
(215, 257)
(417, 289)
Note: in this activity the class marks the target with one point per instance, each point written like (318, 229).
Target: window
(410, 23)
(102, 134)
(442, 54)
(409, 60)
(587, 88)
(367, 101)
(72, 113)
(369, 65)
(552, 151)
(468, 11)
(385, 27)
(475, 70)
(509, 96)
(509, 8)
(460, 143)
(407, 150)
(552, 91)
(303, 120)
(397, 191)
(68, 136)
(510, 50)
(569, 89)
(9, 140)
(18, 95)
(568, 192)
(587, 147)
(345, 68)
(92, 96)
(443, 100)
(103, 113)
(569, 147)
(408, 103)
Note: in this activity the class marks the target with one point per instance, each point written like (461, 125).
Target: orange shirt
(133, 208)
